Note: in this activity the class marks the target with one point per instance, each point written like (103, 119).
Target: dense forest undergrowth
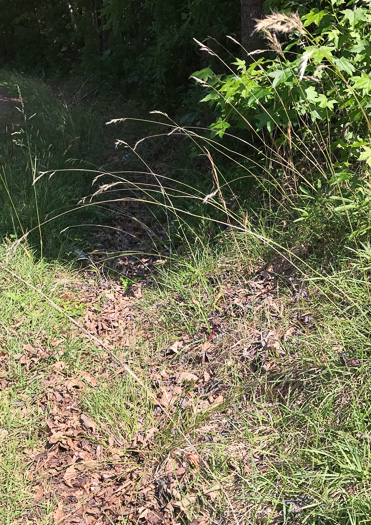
(185, 302)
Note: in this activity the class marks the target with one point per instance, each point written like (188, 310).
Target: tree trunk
(251, 10)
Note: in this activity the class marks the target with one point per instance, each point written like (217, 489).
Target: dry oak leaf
(194, 459)
(69, 475)
(289, 333)
(165, 399)
(59, 365)
(212, 492)
(28, 348)
(185, 503)
(39, 493)
(59, 514)
(55, 342)
(88, 378)
(3, 433)
(88, 423)
(186, 376)
(217, 401)
(74, 383)
(175, 347)
(153, 518)
(171, 465)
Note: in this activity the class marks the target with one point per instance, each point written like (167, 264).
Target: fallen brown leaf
(59, 365)
(39, 493)
(88, 378)
(166, 398)
(171, 465)
(71, 384)
(59, 514)
(88, 423)
(193, 459)
(186, 376)
(28, 348)
(56, 342)
(217, 401)
(185, 503)
(69, 475)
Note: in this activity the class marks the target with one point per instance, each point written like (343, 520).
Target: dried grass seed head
(273, 43)
(281, 23)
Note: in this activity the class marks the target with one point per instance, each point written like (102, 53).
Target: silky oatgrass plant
(40, 132)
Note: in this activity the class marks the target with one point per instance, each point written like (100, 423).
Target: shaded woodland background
(143, 46)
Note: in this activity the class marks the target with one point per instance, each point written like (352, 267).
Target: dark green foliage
(290, 6)
(42, 136)
(146, 45)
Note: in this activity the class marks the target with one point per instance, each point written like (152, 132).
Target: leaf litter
(92, 478)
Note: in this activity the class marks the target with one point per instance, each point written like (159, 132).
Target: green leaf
(358, 144)
(203, 74)
(314, 17)
(359, 47)
(219, 127)
(248, 85)
(231, 86)
(211, 96)
(280, 76)
(264, 119)
(363, 82)
(241, 65)
(366, 155)
(343, 64)
(15, 297)
(325, 102)
(345, 207)
(322, 52)
(334, 36)
(312, 95)
(258, 93)
(340, 177)
(354, 16)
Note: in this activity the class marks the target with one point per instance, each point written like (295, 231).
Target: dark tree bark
(251, 10)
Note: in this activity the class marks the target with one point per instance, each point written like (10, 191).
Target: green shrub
(307, 102)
